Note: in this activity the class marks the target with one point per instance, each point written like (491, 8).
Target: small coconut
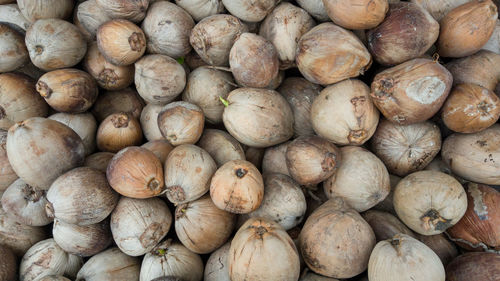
(110, 264)
(217, 267)
(13, 52)
(250, 11)
(479, 68)
(107, 75)
(11, 15)
(213, 37)
(88, 17)
(444, 248)
(167, 28)
(136, 172)
(126, 100)
(258, 117)
(357, 14)
(98, 160)
(34, 10)
(188, 170)
(253, 60)
(385, 225)
(237, 187)
(44, 40)
(200, 9)
(171, 259)
(429, 202)
(181, 122)
(205, 86)
(33, 143)
(407, 32)
(8, 176)
(47, 258)
(84, 124)
(274, 160)
(326, 235)
(8, 265)
(121, 42)
(138, 225)
(283, 27)
(406, 149)
(161, 148)
(315, 8)
(26, 204)
(81, 196)
(149, 122)
(323, 63)
(221, 146)
(153, 85)
(411, 92)
(132, 10)
(474, 266)
(118, 131)
(467, 28)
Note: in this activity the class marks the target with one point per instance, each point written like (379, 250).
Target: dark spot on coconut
(163, 22)
(433, 220)
(2, 112)
(329, 162)
(38, 49)
(137, 41)
(357, 136)
(43, 89)
(240, 172)
(481, 143)
(154, 185)
(151, 235)
(108, 77)
(176, 193)
(120, 120)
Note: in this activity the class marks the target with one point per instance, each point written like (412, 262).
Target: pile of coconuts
(249, 140)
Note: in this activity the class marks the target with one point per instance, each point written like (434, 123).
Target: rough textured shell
(133, 10)
(98, 160)
(217, 267)
(126, 100)
(350, 14)
(479, 68)
(315, 8)
(200, 9)
(438, 9)
(274, 160)
(118, 131)
(385, 225)
(149, 122)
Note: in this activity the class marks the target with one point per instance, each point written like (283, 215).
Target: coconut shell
(11, 15)
(98, 160)
(315, 8)
(479, 68)
(149, 122)
(250, 11)
(494, 43)
(385, 225)
(438, 9)
(217, 267)
(133, 10)
(221, 146)
(84, 124)
(126, 100)
(161, 148)
(200, 9)
(8, 265)
(181, 122)
(8, 175)
(474, 266)
(110, 264)
(118, 131)
(88, 17)
(357, 14)
(34, 10)
(444, 248)
(13, 52)
(274, 160)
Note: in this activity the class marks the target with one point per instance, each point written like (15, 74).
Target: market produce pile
(249, 140)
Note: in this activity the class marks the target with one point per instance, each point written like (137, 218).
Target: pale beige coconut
(84, 124)
(44, 42)
(474, 157)
(429, 202)
(200, 9)
(133, 10)
(351, 14)
(112, 265)
(10, 14)
(438, 9)
(7, 175)
(221, 146)
(323, 63)
(167, 28)
(250, 11)
(274, 160)
(205, 86)
(262, 250)
(13, 52)
(213, 37)
(88, 17)
(149, 122)
(34, 10)
(181, 122)
(402, 258)
(355, 119)
(315, 8)
(361, 179)
(283, 27)
(217, 267)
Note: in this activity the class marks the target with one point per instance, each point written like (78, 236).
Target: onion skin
(385, 225)
(474, 266)
(217, 267)
(13, 52)
(474, 157)
(221, 146)
(445, 249)
(405, 149)
(411, 92)
(133, 10)
(7, 175)
(467, 28)
(402, 258)
(355, 119)
(201, 226)
(479, 228)
(136, 172)
(323, 63)
(479, 68)
(112, 265)
(470, 108)
(429, 202)
(121, 42)
(126, 100)
(328, 232)
(361, 179)
(262, 250)
(407, 32)
(355, 14)
(118, 131)
(181, 123)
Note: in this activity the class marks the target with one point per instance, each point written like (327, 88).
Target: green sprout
(180, 60)
(224, 101)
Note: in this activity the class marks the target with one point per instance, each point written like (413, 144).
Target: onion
(8, 176)
(13, 52)
(11, 15)
(474, 157)
(88, 17)
(438, 9)
(237, 187)
(34, 10)
(445, 249)
(126, 100)
(35, 142)
(153, 85)
(84, 124)
(81, 196)
(213, 37)
(149, 122)
(25, 204)
(217, 267)
(205, 86)
(99, 160)
(315, 8)
(335, 240)
(136, 172)
(479, 68)
(283, 27)
(167, 28)
(254, 11)
(361, 179)
(385, 225)
(161, 148)
(479, 228)
(405, 149)
(201, 226)
(111, 264)
(274, 160)
(133, 10)
(188, 170)
(200, 9)
(411, 92)
(402, 258)
(458, 36)
(262, 250)
(323, 63)
(474, 266)
(357, 14)
(300, 94)
(429, 202)
(173, 259)
(47, 258)
(355, 119)
(311, 159)
(118, 131)
(407, 32)
(138, 225)
(221, 146)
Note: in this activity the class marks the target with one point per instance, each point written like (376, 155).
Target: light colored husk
(250, 11)
(10, 13)
(84, 124)
(13, 52)
(7, 174)
(110, 265)
(200, 9)
(217, 266)
(221, 146)
(34, 10)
